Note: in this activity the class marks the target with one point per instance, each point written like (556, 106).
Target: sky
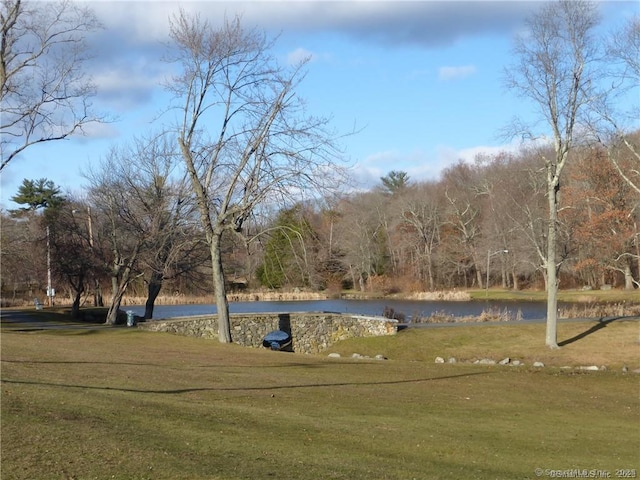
(421, 82)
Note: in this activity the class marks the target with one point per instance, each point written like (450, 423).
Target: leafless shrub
(594, 310)
(490, 315)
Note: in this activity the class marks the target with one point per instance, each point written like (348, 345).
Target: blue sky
(421, 81)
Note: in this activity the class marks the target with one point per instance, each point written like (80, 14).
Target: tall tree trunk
(222, 305)
(628, 277)
(119, 288)
(430, 274)
(155, 285)
(75, 306)
(478, 271)
(551, 269)
(514, 279)
(98, 301)
(114, 305)
(637, 249)
(112, 313)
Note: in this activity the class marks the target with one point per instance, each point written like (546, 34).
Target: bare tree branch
(44, 92)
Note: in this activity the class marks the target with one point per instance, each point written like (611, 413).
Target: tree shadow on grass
(249, 388)
(166, 365)
(602, 323)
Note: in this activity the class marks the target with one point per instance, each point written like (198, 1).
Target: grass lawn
(118, 403)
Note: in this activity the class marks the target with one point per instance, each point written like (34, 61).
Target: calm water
(410, 308)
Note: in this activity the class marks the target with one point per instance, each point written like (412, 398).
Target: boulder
(589, 368)
(486, 361)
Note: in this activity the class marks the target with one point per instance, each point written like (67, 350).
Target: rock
(625, 369)
(590, 368)
(356, 355)
(504, 361)
(637, 370)
(439, 360)
(603, 368)
(487, 361)
(452, 360)
(334, 355)
(380, 357)
(516, 363)
(538, 364)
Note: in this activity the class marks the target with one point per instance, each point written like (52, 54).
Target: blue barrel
(276, 340)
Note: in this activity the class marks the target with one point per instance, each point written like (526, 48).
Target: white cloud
(96, 130)
(447, 156)
(452, 73)
(420, 164)
(125, 84)
(423, 23)
(299, 55)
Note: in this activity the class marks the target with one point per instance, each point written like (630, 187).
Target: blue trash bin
(131, 318)
(277, 340)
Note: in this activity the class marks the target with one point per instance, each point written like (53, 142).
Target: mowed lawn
(118, 403)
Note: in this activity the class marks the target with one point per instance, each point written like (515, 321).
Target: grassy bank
(126, 404)
(578, 296)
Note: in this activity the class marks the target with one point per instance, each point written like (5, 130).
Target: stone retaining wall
(311, 332)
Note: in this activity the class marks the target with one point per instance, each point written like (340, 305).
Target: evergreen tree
(395, 181)
(36, 194)
(285, 256)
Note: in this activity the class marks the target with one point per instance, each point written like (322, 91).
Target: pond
(528, 311)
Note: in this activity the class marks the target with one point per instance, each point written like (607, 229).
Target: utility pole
(50, 292)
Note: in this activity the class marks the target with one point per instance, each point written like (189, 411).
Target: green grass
(127, 404)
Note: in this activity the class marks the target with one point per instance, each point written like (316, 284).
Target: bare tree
(243, 133)
(23, 257)
(147, 211)
(422, 214)
(72, 247)
(463, 220)
(556, 69)
(361, 236)
(45, 94)
(613, 124)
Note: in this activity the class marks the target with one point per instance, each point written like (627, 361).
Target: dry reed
(447, 296)
(600, 310)
(489, 315)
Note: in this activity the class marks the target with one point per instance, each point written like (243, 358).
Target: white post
(49, 291)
